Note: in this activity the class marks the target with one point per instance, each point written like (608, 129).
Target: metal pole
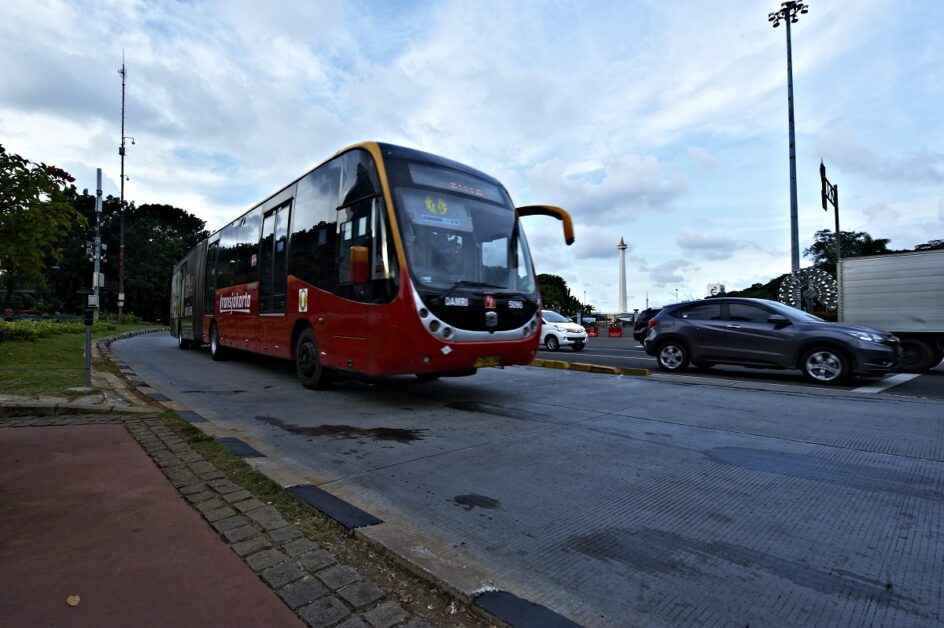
(794, 229)
(838, 241)
(88, 351)
(121, 207)
(98, 242)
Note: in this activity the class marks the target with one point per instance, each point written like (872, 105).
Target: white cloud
(628, 184)
(670, 272)
(703, 159)
(710, 247)
(645, 119)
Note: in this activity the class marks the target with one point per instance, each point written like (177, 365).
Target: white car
(557, 332)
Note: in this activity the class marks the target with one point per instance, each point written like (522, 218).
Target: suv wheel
(672, 356)
(825, 365)
(551, 343)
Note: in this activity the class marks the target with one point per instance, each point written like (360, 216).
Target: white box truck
(902, 293)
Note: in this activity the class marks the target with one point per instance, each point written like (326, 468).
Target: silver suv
(767, 334)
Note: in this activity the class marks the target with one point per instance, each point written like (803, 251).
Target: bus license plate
(489, 360)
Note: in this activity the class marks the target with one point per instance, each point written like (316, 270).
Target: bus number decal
(303, 299)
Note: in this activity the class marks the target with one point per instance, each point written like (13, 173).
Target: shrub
(31, 330)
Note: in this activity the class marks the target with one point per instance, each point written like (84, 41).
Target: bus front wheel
(311, 373)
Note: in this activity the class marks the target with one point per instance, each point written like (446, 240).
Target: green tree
(769, 290)
(68, 279)
(35, 214)
(930, 245)
(156, 238)
(854, 244)
(555, 295)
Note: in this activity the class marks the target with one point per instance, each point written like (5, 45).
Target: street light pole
(121, 206)
(788, 13)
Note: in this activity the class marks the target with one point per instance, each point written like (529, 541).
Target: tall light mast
(788, 15)
(121, 208)
(622, 275)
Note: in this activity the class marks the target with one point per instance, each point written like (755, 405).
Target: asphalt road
(626, 352)
(611, 500)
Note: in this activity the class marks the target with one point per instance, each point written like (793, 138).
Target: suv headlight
(866, 336)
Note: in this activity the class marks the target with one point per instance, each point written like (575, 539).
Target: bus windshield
(461, 231)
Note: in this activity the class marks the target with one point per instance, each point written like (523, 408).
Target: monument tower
(622, 278)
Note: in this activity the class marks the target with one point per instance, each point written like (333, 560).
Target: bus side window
(312, 245)
(353, 230)
(210, 278)
(281, 255)
(247, 247)
(364, 224)
(226, 268)
(359, 177)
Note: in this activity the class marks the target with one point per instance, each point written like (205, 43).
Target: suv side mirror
(778, 319)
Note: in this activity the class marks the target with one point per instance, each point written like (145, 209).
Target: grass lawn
(48, 366)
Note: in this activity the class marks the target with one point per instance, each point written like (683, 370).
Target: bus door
(274, 331)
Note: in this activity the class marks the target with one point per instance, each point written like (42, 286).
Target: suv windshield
(553, 317)
(460, 231)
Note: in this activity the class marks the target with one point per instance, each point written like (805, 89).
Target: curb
(13, 409)
(589, 368)
(493, 606)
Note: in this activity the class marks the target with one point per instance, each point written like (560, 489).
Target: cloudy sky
(664, 123)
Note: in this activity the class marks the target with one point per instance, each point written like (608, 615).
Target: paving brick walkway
(307, 577)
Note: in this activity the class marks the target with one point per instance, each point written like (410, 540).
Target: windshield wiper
(465, 283)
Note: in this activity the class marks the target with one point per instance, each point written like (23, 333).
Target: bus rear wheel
(311, 373)
(217, 351)
(182, 342)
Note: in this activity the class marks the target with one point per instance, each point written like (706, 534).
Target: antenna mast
(121, 209)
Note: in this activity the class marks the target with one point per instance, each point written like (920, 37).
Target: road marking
(887, 383)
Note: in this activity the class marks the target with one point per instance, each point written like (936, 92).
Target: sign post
(830, 194)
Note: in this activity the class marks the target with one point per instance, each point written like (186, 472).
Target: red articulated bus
(382, 260)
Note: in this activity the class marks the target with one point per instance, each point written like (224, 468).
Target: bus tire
(182, 343)
(217, 351)
(311, 373)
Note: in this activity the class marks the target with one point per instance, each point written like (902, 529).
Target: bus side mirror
(360, 269)
(553, 212)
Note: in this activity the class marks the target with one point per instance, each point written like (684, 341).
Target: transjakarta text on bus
(383, 260)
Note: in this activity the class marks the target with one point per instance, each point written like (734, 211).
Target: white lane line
(887, 383)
